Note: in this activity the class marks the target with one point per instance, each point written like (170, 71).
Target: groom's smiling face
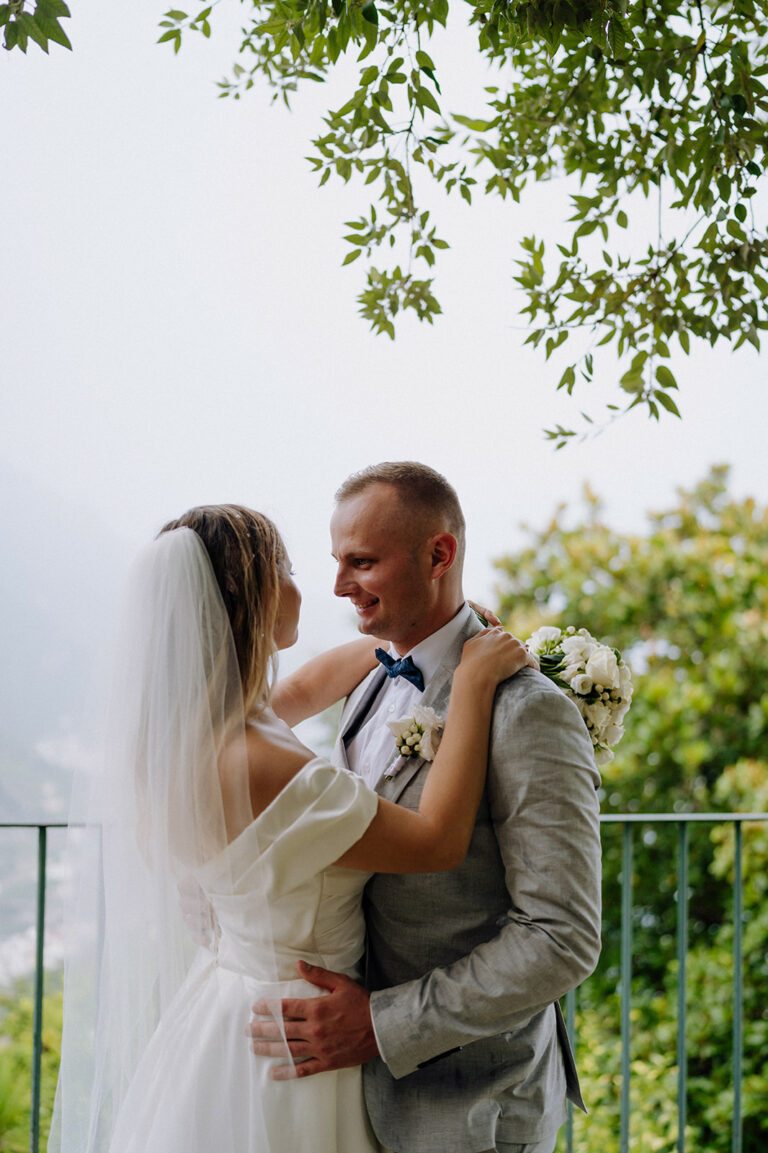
(384, 566)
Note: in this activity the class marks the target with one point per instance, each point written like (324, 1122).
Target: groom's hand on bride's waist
(327, 1032)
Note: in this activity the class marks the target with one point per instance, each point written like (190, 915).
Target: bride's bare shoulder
(274, 755)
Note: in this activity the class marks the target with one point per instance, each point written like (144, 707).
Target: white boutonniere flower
(418, 735)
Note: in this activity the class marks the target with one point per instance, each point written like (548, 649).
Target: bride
(210, 819)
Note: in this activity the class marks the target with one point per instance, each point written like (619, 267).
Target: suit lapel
(356, 710)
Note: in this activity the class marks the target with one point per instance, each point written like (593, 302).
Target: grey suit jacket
(466, 967)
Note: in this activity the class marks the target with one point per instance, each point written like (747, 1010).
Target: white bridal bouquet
(593, 675)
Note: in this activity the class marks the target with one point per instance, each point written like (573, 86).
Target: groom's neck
(441, 616)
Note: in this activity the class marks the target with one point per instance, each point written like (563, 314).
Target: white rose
(603, 667)
(574, 645)
(613, 734)
(603, 757)
(547, 634)
(580, 653)
(581, 684)
(429, 743)
(400, 728)
(427, 718)
(599, 714)
(421, 732)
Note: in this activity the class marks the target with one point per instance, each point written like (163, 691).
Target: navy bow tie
(404, 668)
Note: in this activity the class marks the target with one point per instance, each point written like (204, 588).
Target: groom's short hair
(417, 485)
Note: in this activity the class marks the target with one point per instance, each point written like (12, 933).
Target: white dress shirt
(373, 745)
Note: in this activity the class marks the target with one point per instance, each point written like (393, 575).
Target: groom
(465, 1045)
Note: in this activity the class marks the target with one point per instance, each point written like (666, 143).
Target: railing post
(626, 980)
(682, 983)
(570, 1024)
(738, 1002)
(37, 1023)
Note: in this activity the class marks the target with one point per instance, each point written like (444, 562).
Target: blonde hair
(247, 554)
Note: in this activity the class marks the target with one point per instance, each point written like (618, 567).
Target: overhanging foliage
(648, 99)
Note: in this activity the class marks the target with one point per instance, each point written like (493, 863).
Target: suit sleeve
(542, 785)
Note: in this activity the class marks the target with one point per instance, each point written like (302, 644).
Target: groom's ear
(444, 549)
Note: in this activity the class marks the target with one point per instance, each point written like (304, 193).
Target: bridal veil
(168, 792)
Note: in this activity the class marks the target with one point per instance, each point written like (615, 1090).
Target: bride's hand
(494, 655)
(487, 616)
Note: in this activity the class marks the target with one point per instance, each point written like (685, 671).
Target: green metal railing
(37, 1019)
(628, 822)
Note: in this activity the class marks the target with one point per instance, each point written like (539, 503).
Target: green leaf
(52, 30)
(33, 30)
(473, 124)
(424, 98)
(55, 8)
(665, 377)
(585, 229)
(371, 40)
(621, 219)
(353, 255)
(428, 72)
(369, 13)
(632, 381)
(667, 402)
(568, 379)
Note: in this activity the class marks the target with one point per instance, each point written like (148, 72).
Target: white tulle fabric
(188, 909)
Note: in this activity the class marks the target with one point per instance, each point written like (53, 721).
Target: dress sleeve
(313, 821)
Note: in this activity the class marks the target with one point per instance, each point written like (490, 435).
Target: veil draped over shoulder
(168, 793)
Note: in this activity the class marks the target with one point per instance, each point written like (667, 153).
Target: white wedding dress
(198, 1087)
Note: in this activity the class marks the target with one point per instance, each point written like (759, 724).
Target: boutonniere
(418, 735)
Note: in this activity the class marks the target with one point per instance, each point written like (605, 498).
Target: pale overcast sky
(175, 327)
